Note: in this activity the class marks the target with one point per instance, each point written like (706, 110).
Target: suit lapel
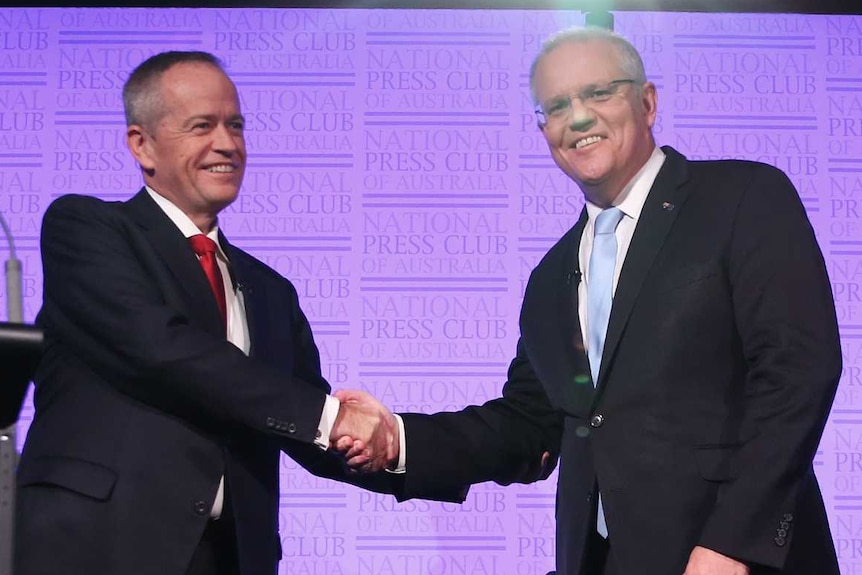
(663, 204)
(173, 249)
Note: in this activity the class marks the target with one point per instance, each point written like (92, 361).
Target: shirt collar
(183, 222)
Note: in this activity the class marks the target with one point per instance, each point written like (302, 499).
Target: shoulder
(75, 202)
(742, 182)
(85, 210)
(732, 171)
(722, 171)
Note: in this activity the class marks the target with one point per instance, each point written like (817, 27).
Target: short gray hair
(630, 61)
(142, 91)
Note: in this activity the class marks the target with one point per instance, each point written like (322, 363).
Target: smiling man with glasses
(679, 350)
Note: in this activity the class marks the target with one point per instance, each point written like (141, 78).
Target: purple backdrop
(397, 178)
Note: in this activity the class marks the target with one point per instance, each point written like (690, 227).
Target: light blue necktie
(600, 289)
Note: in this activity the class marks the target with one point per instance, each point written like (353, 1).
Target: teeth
(221, 168)
(586, 142)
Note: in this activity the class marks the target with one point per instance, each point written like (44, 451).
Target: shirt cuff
(402, 447)
(327, 421)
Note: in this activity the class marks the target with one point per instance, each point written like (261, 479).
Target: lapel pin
(667, 206)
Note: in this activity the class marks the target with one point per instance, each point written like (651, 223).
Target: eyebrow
(211, 118)
(587, 88)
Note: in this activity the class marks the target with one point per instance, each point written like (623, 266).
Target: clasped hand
(365, 432)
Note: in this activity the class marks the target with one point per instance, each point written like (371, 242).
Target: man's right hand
(365, 432)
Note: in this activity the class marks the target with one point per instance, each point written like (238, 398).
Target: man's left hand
(703, 561)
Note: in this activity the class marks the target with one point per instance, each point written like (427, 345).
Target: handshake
(365, 432)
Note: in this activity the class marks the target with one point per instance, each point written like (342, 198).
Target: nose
(226, 140)
(581, 117)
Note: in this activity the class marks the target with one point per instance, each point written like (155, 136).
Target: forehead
(573, 65)
(197, 85)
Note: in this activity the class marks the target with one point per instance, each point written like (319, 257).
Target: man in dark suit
(171, 382)
(686, 421)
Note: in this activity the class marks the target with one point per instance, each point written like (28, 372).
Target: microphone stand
(14, 298)
(8, 450)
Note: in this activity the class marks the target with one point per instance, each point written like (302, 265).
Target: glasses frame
(591, 96)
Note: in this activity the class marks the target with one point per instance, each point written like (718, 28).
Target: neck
(204, 223)
(604, 194)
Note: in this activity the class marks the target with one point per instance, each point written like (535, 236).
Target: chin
(222, 197)
(589, 180)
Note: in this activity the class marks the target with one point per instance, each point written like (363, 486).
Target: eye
(556, 106)
(598, 95)
(237, 125)
(201, 126)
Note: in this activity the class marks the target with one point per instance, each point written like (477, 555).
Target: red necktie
(205, 248)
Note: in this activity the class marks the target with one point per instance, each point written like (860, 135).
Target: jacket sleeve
(111, 305)
(785, 315)
(502, 440)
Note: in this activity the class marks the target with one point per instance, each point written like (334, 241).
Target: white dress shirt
(237, 324)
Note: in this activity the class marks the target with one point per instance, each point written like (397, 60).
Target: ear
(649, 101)
(140, 144)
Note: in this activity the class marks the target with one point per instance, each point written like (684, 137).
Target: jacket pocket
(84, 477)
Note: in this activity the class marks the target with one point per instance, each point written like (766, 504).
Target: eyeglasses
(557, 109)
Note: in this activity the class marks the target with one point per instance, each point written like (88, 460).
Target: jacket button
(291, 428)
(589, 497)
(781, 532)
(788, 517)
(270, 422)
(780, 541)
(784, 525)
(201, 507)
(597, 420)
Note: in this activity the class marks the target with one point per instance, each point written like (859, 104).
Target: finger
(344, 443)
(356, 449)
(358, 461)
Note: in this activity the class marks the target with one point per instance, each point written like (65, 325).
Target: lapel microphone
(573, 275)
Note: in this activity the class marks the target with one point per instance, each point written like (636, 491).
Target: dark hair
(141, 94)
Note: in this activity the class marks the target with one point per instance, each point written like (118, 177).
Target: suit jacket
(142, 405)
(719, 368)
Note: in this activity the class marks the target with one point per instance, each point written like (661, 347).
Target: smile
(587, 141)
(221, 168)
